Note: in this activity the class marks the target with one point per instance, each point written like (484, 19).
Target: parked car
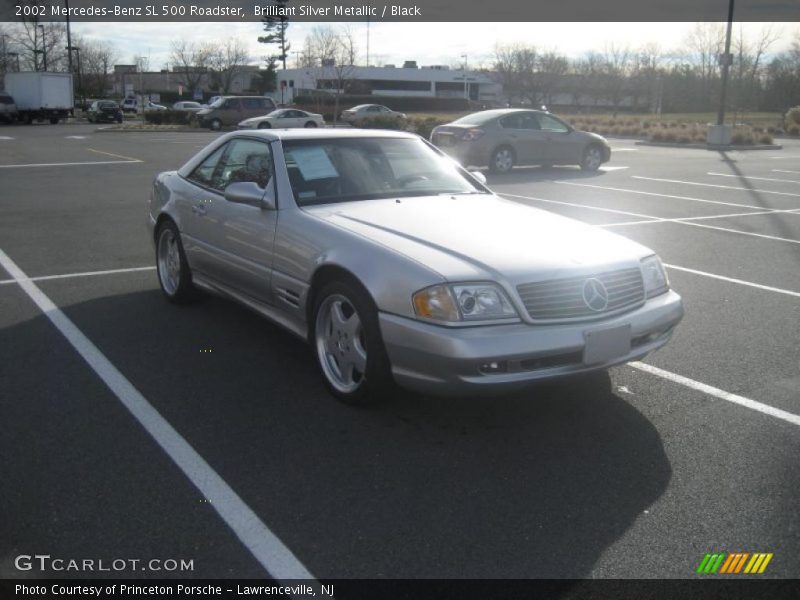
(358, 115)
(284, 118)
(104, 110)
(187, 106)
(129, 105)
(134, 105)
(230, 110)
(150, 106)
(504, 138)
(399, 266)
(8, 110)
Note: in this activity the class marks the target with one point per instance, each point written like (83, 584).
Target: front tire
(592, 158)
(216, 125)
(264, 125)
(310, 125)
(502, 160)
(348, 344)
(174, 275)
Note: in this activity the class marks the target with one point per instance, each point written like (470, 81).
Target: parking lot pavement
(637, 473)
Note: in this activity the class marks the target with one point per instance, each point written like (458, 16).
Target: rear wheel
(348, 344)
(310, 125)
(264, 125)
(174, 275)
(502, 160)
(216, 124)
(592, 158)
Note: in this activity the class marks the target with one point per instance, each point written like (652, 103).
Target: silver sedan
(398, 266)
(284, 118)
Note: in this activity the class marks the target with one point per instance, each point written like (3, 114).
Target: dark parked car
(104, 111)
(8, 110)
(504, 138)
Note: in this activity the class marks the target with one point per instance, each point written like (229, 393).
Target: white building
(432, 82)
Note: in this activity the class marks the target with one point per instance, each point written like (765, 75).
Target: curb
(155, 130)
(727, 148)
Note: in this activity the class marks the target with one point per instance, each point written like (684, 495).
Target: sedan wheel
(348, 345)
(264, 125)
(310, 125)
(502, 160)
(592, 159)
(216, 124)
(174, 276)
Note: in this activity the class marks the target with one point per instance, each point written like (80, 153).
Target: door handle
(199, 209)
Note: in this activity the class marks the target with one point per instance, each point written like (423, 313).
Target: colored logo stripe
(734, 563)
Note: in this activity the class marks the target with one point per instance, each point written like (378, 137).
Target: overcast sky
(427, 43)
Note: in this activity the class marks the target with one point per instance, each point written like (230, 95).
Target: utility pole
(44, 48)
(69, 40)
(466, 94)
(726, 61)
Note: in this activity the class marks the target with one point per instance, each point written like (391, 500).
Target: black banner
(404, 589)
(400, 10)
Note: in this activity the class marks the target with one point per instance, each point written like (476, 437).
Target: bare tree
(516, 66)
(705, 43)
(97, 64)
(333, 53)
(192, 61)
(616, 69)
(747, 66)
(34, 40)
(228, 61)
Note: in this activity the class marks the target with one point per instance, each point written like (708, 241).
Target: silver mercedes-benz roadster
(399, 266)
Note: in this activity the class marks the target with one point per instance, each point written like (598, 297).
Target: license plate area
(603, 345)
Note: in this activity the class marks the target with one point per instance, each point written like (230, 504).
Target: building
(433, 82)
(126, 80)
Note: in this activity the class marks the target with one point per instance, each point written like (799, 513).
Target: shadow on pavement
(538, 484)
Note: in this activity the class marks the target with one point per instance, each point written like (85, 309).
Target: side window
(511, 121)
(205, 173)
(548, 123)
(246, 160)
(528, 121)
(231, 104)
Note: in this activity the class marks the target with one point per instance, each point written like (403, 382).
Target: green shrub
(164, 117)
(765, 139)
(385, 123)
(793, 129)
(792, 117)
(424, 126)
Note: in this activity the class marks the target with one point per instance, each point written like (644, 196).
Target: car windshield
(191, 105)
(4, 99)
(324, 171)
(217, 103)
(479, 118)
(276, 113)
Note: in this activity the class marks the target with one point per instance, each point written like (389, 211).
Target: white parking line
(683, 219)
(714, 185)
(72, 164)
(659, 219)
(643, 193)
(750, 177)
(6, 137)
(83, 274)
(613, 168)
(114, 155)
(784, 171)
(263, 544)
(718, 393)
(732, 280)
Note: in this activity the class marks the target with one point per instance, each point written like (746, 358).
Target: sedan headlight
(463, 302)
(655, 277)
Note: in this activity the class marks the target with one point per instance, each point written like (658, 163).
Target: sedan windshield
(342, 170)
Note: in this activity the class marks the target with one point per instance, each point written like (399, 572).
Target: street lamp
(15, 55)
(466, 94)
(44, 48)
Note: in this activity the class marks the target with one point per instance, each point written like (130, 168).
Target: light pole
(44, 48)
(69, 39)
(466, 94)
(726, 60)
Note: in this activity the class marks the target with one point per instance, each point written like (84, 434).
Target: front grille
(562, 299)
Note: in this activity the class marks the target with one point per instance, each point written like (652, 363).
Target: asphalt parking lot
(635, 474)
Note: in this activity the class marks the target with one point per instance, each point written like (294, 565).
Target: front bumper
(448, 361)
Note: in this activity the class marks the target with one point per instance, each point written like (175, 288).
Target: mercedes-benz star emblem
(595, 294)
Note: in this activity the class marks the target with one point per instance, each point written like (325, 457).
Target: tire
(348, 345)
(592, 158)
(310, 125)
(174, 276)
(53, 120)
(216, 124)
(119, 119)
(29, 119)
(264, 125)
(502, 160)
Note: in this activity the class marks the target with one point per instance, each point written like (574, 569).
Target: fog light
(494, 367)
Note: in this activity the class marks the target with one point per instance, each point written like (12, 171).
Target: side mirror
(479, 176)
(247, 192)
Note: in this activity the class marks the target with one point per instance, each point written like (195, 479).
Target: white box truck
(39, 95)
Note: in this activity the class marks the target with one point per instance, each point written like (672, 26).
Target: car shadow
(532, 174)
(533, 485)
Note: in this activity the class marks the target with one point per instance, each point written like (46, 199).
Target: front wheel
(174, 275)
(310, 125)
(592, 158)
(264, 125)
(216, 124)
(348, 344)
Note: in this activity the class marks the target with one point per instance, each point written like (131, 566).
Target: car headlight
(463, 302)
(655, 277)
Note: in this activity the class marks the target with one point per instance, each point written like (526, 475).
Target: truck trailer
(41, 96)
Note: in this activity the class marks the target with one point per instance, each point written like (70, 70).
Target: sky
(389, 42)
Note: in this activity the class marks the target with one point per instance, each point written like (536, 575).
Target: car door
(231, 111)
(560, 145)
(242, 235)
(284, 120)
(523, 135)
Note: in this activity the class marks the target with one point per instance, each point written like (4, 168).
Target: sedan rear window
(342, 170)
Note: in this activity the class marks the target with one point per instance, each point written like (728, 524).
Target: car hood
(484, 236)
